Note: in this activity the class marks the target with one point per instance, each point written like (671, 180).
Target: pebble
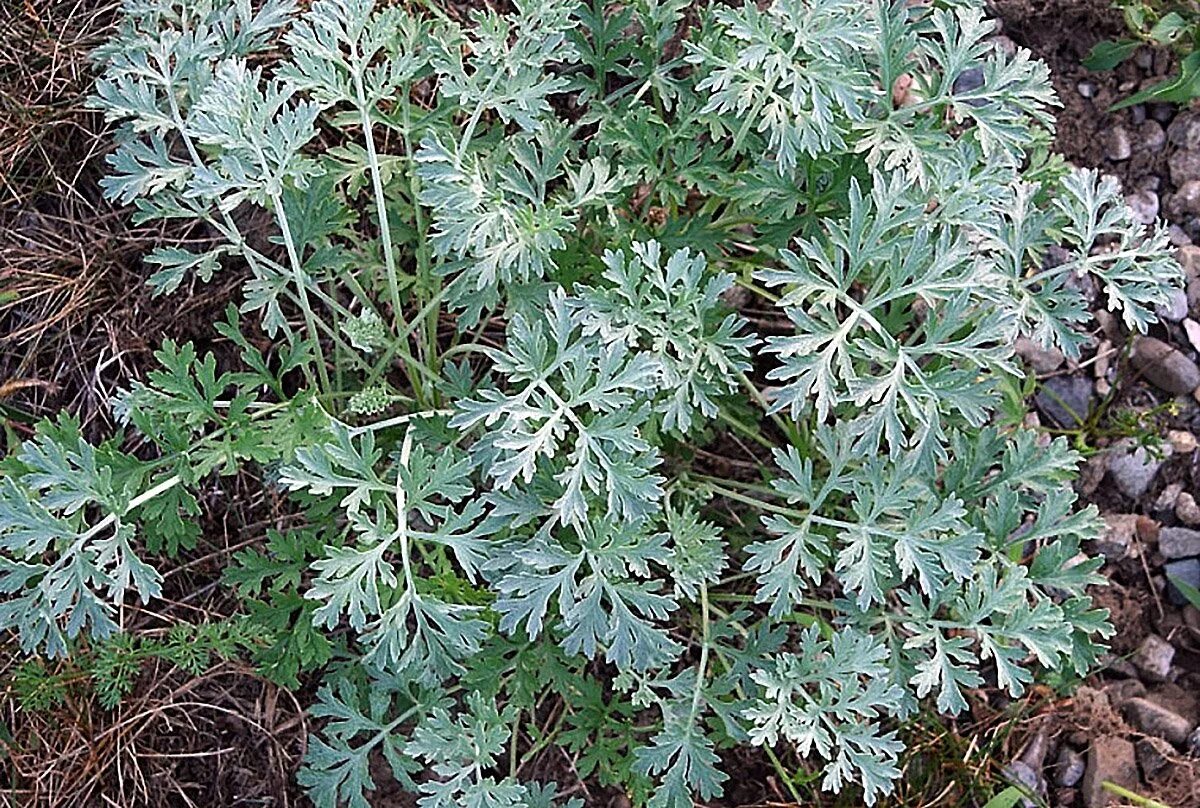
(1182, 441)
(1178, 542)
(1117, 539)
(1165, 368)
(1188, 257)
(1137, 114)
(1167, 497)
(1184, 131)
(1153, 658)
(1184, 165)
(1177, 236)
(1005, 45)
(1192, 744)
(1154, 719)
(1163, 113)
(1069, 767)
(1186, 570)
(1133, 471)
(1153, 755)
(1143, 205)
(1020, 773)
(1151, 137)
(1186, 200)
(1117, 145)
(1086, 88)
(1176, 307)
(1109, 758)
(1042, 360)
(1186, 509)
(1065, 400)
(1192, 329)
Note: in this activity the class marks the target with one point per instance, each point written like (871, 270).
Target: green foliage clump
(499, 287)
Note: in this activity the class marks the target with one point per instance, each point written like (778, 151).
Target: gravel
(1153, 658)
(1154, 719)
(1164, 367)
(1065, 400)
(1109, 758)
(1179, 542)
(1188, 571)
(1133, 471)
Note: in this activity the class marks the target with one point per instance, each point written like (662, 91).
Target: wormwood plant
(510, 285)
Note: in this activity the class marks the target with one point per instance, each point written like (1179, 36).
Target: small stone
(1186, 509)
(1165, 368)
(1182, 441)
(1166, 498)
(1117, 145)
(1143, 205)
(1119, 531)
(1178, 542)
(1065, 400)
(1184, 165)
(1109, 758)
(1184, 131)
(1133, 471)
(1163, 113)
(1150, 137)
(1188, 571)
(1185, 201)
(1020, 773)
(1192, 744)
(1154, 719)
(1191, 328)
(1177, 236)
(1125, 689)
(1068, 768)
(1137, 114)
(1153, 755)
(1005, 45)
(1176, 307)
(1144, 59)
(1188, 257)
(1086, 89)
(1153, 658)
(1042, 360)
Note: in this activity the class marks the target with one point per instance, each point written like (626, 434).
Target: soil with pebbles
(1135, 723)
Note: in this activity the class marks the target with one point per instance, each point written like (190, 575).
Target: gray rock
(1188, 571)
(1154, 719)
(1186, 509)
(1117, 145)
(1165, 368)
(1184, 131)
(1191, 327)
(1020, 773)
(1184, 165)
(1153, 658)
(1086, 89)
(1179, 542)
(1163, 113)
(1117, 539)
(1042, 360)
(1109, 758)
(1133, 471)
(1150, 137)
(1143, 204)
(1165, 503)
(1065, 400)
(1193, 296)
(1182, 442)
(1188, 257)
(1176, 308)
(1153, 755)
(1068, 768)
(1186, 200)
